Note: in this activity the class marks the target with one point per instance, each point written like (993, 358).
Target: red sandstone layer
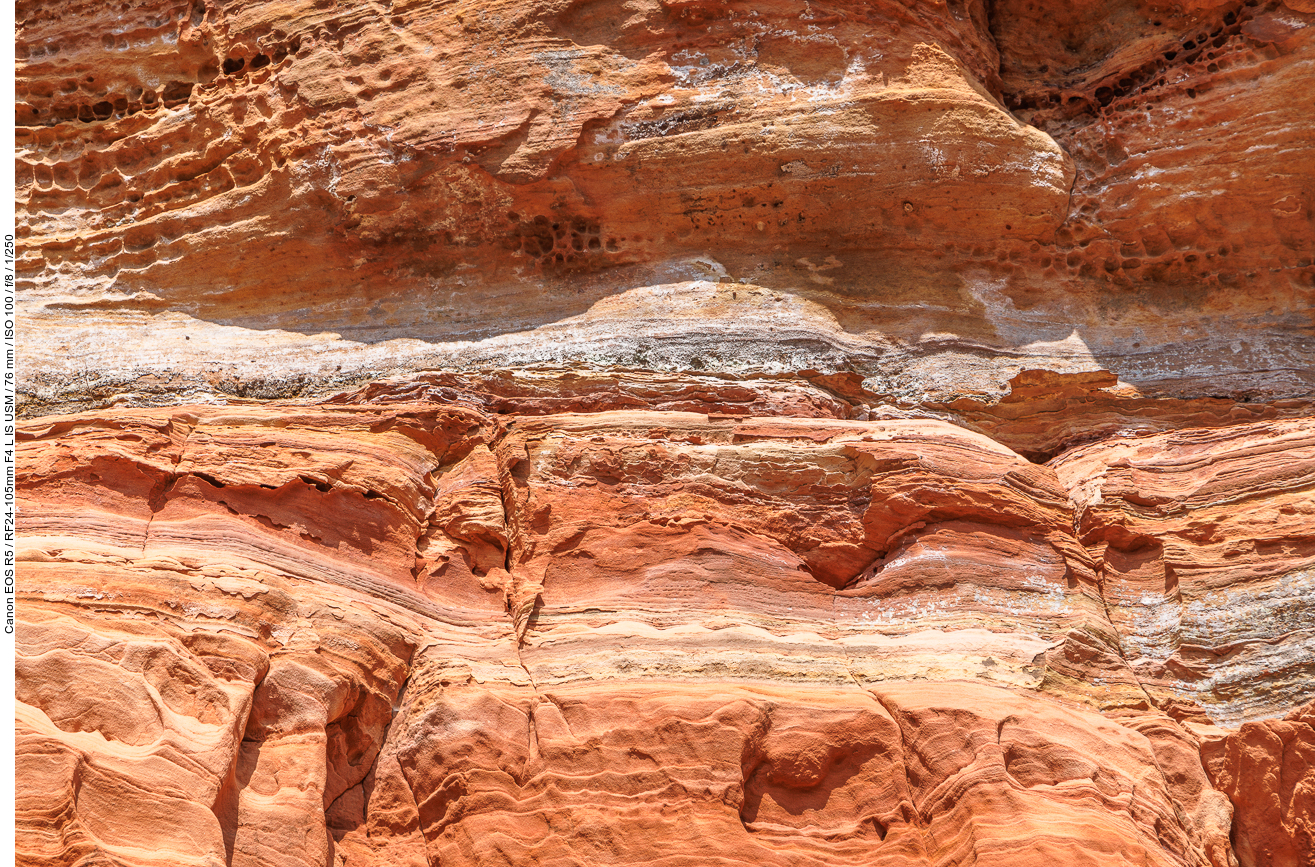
(416, 633)
(673, 432)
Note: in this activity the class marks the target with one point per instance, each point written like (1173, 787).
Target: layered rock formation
(669, 432)
(271, 198)
(400, 632)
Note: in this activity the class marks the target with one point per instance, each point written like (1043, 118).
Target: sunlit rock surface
(1208, 562)
(275, 197)
(666, 432)
(410, 632)
(1266, 768)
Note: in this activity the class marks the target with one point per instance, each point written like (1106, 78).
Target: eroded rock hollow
(666, 432)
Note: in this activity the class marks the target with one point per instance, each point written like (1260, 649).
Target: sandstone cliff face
(265, 198)
(669, 432)
(399, 632)
(1266, 769)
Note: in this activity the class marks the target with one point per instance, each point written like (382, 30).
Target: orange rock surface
(416, 633)
(276, 197)
(1267, 768)
(1207, 558)
(565, 433)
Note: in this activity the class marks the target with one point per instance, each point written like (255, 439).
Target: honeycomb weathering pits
(569, 432)
(273, 199)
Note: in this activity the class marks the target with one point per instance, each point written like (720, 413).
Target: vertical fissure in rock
(225, 806)
(521, 598)
(892, 710)
(367, 784)
(158, 500)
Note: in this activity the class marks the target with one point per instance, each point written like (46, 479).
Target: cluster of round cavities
(86, 101)
(1084, 251)
(1207, 51)
(48, 102)
(559, 244)
(1201, 49)
(241, 66)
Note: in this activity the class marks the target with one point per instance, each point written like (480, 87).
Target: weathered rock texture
(667, 432)
(268, 197)
(1268, 768)
(403, 632)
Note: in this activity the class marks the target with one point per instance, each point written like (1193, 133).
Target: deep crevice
(225, 806)
(367, 783)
